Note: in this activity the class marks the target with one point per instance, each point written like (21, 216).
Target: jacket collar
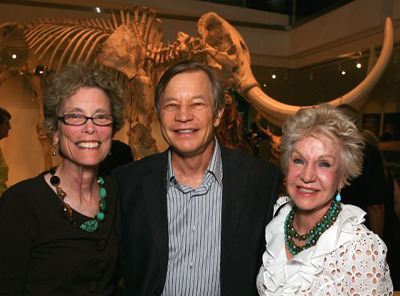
(234, 189)
(155, 191)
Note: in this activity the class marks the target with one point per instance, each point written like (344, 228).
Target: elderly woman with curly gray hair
(317, 245)
(57, 230)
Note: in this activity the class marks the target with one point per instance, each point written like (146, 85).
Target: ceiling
(303, 9)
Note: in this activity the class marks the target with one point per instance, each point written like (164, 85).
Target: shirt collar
(214, 167)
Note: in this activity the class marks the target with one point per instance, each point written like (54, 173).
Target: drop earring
(338, 196)
(54, 152)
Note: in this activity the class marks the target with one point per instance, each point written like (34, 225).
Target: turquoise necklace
(66, 210)
(327, 220)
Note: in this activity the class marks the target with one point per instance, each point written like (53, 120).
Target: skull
(226, 51)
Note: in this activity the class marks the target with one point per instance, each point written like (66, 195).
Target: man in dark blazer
(192, 218)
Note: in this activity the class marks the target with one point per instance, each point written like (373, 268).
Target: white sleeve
(367, 272)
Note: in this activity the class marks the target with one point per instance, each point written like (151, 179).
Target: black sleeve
(15, 242)
(373, 182)
(120, 262)
(369, 188)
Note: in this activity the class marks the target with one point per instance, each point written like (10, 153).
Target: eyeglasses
(79, 119)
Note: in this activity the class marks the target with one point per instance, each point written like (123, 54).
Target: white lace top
(348, 259)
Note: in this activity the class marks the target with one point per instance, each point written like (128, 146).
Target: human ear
(217, 119)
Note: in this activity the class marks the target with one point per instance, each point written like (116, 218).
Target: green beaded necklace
(66, 210)
(327, 220)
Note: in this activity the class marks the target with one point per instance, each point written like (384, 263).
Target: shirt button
(191, 265)
(194, 228)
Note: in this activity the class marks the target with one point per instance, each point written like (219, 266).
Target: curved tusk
(276, 112)
(365, 86)
(273, 110)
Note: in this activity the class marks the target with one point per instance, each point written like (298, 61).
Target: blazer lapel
(155, 194)
(234, 189)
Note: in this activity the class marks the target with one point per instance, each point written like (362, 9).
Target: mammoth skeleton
(227, 51)
(130, 45)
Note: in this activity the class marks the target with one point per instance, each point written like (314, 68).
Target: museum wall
(307, 44)
(22, 150)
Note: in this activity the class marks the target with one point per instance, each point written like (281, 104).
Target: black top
(250, 189)
(42, 254)
(120, 154)
(369, 188)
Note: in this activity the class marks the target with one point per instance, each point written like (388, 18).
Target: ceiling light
(97, 9)
(264, 85)
(14, 56)
(273, 76)
(359, 65)
(343, 72)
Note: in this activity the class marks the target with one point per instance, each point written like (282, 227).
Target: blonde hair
(329, 122)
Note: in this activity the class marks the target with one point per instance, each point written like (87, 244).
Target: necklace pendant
(61, 193)
(66, 210)
(313, 235)
(54, 180)
(90, 226)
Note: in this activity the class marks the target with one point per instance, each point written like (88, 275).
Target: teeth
(186, 131)
(306, 190)
(89, 144)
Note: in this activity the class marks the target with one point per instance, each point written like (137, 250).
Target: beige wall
(22, 149)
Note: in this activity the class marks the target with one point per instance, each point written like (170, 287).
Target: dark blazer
(250, 189)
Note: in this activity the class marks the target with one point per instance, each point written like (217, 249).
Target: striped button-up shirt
(194, 230)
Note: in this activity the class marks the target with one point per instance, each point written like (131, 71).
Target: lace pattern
(348, 259)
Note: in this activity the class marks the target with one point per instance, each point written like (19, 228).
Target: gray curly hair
(329, 122)
(68, 81)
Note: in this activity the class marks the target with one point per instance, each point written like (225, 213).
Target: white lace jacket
(348, 259)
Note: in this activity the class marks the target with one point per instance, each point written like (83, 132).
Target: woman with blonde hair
(317, 245)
